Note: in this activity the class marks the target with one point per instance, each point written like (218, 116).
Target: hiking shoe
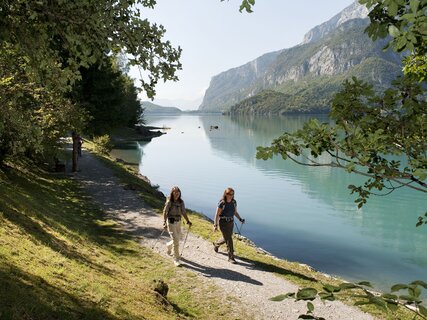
(231, 260)
(216, 248)
(177, 263)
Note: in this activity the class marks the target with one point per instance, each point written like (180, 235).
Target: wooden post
(74, 154)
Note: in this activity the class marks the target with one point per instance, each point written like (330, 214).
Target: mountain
(150, 107)
(353, 11)
(184, 104)
(305, 77)
(229, 87)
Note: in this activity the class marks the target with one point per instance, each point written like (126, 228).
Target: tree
(406, 22)
(32, 117)
(43, 46)
(370, 128)
(59, 37)
(109, 97)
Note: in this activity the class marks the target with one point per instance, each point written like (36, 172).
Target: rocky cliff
(306, 76)
(354, 11)
(230, 87)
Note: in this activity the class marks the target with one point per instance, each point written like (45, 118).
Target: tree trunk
(74, 155)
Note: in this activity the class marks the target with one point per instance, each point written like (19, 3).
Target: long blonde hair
(228, 190)
(171, 196)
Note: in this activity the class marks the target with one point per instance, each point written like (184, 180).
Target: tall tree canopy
(44, 46)
(108, 96)
(59, 37)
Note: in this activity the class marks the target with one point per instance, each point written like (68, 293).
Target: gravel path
(244, 281)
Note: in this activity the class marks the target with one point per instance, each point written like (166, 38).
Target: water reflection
(384, 224)
(296, 212)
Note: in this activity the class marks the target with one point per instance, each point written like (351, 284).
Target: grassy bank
(61, 259)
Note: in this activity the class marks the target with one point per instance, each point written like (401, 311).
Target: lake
(298, 213)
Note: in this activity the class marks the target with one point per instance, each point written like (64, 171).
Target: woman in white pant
(173, 211)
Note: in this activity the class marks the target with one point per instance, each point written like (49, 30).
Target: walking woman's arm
(238, 216)
(165, 211)
(184, 213)
(216, 219)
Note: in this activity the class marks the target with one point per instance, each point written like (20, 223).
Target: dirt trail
(244, 281)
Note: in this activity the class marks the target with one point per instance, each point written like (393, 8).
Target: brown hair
(171, 196)
(228, 190)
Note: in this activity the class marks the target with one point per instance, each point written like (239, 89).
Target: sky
(215, 37)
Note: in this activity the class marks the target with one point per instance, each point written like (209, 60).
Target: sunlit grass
(61, 259)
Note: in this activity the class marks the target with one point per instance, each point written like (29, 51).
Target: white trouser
(174, 230)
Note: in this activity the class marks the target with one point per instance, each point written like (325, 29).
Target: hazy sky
(215, 37)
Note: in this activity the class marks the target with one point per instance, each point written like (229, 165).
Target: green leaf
(389, 296)
(347, 286)
(408, 298)
(422, 310)
(399, 44)
(414, 5)
(379, 303)
(306, 294)
(414, 291)
(392, 9)
(393, 31)
(331, 288)
(398, 287)
(420, 283)
(310, 307)
(365, 283)
(421, 173)
(327, 296)
(280, 297)
(392, 306)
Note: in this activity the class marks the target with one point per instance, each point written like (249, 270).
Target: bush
(103, 144)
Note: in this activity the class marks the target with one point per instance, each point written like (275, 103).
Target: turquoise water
(295, 212)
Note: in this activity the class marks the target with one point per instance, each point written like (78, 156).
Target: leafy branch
(387, 302)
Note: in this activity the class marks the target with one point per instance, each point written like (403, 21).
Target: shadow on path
(267, 267)
(226, 274)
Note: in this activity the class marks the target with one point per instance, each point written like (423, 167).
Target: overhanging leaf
(306, 294)
(331, 288)
(420, 283)
(398, 287)
(280, 297)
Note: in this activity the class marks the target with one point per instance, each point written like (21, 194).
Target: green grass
(61, 259)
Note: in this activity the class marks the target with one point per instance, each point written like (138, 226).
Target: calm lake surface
(295, 212)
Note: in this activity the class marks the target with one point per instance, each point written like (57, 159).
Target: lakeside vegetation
(62, 258)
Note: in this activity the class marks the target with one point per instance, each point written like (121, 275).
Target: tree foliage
(60, 36)
(44, 46)
(406, 22)
(362, 292)
(109, 97)
(31, 121)
(371, 129)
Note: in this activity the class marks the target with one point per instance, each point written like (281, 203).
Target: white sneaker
(177, 263)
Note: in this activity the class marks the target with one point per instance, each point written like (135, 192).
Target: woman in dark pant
(224, 218)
